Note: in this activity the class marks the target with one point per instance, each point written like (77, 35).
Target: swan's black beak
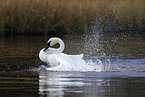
(47, 46)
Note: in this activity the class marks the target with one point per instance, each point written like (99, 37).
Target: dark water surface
(121, 57)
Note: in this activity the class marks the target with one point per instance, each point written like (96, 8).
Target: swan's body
(55, 57)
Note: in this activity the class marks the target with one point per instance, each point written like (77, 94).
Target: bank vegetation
(41, 17)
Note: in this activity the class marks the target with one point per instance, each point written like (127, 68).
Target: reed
(66, 16)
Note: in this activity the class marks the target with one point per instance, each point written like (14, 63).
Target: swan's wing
(66, 62)
(59, 59)
(76, 57)
(65, 59)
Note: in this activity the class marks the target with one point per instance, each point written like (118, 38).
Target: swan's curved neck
(51, 42)
(62, 46)
(54, 50)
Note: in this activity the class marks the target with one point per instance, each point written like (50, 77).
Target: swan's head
(53, 41)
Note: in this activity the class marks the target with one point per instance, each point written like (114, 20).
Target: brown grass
(64, 16)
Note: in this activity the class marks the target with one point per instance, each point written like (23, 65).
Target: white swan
(54, 56)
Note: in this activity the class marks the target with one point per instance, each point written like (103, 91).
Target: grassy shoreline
(42, 17)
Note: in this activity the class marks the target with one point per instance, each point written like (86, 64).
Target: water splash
(102, 64)
(87, 67)
(90, 65)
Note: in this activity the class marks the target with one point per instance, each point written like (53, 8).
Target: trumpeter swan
(55, 57)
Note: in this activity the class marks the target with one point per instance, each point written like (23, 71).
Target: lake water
(117, 67)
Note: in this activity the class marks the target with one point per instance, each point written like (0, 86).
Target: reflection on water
(53, 83)
(89, 84)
